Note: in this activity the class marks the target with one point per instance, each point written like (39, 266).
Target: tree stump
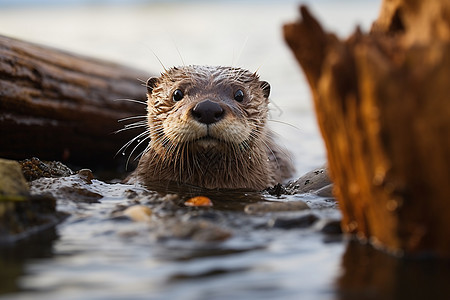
(382, 103)
(60, 106)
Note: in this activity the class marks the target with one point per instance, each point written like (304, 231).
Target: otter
(208, 127)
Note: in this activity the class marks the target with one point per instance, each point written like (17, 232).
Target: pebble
(86, 175)
(293, 222)
(198, 201)
(200, 231)
(138, 213)
(331, 227)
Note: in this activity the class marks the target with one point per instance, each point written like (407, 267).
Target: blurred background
(148, 34)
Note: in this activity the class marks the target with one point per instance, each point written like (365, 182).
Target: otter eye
(239, 96)
(177, 95)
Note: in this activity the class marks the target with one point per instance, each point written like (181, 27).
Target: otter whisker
(284, 123)
(134, 149)
(131, 118)
(162, 139)
(143, 122)
(131, 127)
(157, 130)
(142, 152)
(132, 100)
(159, 60)
(271, 151)
(240, 52)
(141, 80)
(124, 147)
(180, 160)
(235, 151)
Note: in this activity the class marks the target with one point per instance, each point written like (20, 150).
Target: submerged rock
(75, 188)
(196, 230)
(138, 213)
(277, 190)
(330, 226)
(326, 191)
(293, 222)
(21, 214)
(316, 181)
(24, 218)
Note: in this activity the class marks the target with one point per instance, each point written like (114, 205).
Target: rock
(326, 191)
(22, 215)
(293, 222)
(34, 169)
(75, 188)
(330, 226)
(267, 207)
(79, 194)
(277, 190)
(138, 213)
(86, 175)
(311, 182)
(12, 183)
(200, 231)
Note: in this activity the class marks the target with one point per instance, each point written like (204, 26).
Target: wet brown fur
(235, 152)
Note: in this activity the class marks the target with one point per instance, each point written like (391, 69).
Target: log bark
(382, 105)
(60, 106)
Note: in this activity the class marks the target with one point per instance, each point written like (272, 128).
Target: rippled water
(93, 255)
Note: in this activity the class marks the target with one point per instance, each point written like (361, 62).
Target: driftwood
(60, 106)
(382, 103)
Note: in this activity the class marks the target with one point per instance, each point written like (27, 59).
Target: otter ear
(151, 83)
(266, 88)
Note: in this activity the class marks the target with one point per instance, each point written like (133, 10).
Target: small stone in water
(86, 175)
(138, 213)
(199, 201)
(200, 231)
(293, 222)
(331, 227)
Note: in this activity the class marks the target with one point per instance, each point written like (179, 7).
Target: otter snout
(207, 112)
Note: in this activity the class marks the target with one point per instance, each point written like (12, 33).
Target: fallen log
(382, 105)
(60, 106)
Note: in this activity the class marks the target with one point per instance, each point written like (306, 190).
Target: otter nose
(207, 112)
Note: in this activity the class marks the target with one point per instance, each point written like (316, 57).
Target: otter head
(198, 109)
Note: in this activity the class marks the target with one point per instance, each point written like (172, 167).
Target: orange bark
(381, 101)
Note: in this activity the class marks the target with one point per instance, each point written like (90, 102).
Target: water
(94, 256)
